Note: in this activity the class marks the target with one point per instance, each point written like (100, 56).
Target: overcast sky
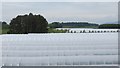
(97, 12)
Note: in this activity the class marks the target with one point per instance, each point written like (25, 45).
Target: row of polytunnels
(91, 31)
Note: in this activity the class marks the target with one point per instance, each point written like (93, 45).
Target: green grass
(4, 31)
(0, 31)
(52, 30)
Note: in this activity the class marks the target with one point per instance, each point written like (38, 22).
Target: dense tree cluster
(109, 26)
(24, 24)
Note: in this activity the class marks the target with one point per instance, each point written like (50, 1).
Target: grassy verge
(50, 30)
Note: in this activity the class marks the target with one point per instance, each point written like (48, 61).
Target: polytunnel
(54, 49)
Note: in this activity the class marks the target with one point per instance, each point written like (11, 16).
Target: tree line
(24, 24)
(109, 26)
(73, 25)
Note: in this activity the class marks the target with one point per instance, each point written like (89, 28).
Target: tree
(55, 25)
(5, 25)
(23, 24)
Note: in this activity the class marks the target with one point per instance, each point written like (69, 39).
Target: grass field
(51, 30)
(4, 31)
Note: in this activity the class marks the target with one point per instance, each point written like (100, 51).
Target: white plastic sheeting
(60, 49)
(88, 30)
